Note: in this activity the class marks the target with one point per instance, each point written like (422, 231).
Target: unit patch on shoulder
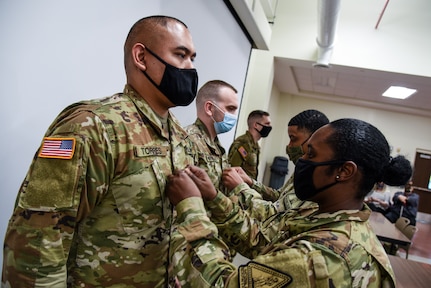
(58, 148)
(257, 275)
(243, 152)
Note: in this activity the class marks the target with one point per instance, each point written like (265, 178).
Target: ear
(138, 56)
(347, 171)
(208, 108)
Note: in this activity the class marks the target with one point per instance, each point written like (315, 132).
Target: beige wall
(404, 132)
(400, 44)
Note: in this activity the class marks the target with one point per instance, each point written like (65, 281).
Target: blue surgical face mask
(227, 124)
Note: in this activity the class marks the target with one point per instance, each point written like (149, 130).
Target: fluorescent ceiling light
(398, 92)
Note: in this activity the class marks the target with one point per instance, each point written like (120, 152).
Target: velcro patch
(58, 148)
(150, 151)
(243, 152)
(257, 275)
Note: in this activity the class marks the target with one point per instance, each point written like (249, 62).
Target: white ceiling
(352, 85)
(356, 85)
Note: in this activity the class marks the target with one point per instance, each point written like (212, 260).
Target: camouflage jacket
(297, 248)
(92, 210)
(284, 198)
(212, 155)
(244, 152)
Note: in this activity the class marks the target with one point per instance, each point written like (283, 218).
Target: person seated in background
(405, 204)
(380, 198)
(333, 246)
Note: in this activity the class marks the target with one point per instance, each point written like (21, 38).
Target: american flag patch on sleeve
(243, 152)
(59, 148)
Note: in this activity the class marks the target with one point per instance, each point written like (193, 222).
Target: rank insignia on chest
(242, 151)
(57, 148)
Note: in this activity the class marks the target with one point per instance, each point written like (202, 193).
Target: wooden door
(422, 179)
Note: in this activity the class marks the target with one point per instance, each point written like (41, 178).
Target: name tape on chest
(147, 151)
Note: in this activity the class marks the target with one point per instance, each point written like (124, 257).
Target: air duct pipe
(328, 11)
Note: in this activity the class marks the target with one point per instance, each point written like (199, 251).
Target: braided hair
(360, 142)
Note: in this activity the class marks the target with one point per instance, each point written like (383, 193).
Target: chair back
(402, 223)
(409, 231)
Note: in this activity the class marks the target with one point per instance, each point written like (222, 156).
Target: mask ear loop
(215, 105)
(207, 110)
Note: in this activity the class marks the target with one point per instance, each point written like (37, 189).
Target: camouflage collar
(177, 132)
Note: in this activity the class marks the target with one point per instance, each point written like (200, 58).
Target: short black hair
(254, 115)
(310, 120)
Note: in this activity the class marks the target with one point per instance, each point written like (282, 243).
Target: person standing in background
(216, 106)
(245, 149)
(92, 209)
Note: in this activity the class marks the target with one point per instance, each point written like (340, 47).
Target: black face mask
(178, 85)
(303, 178)
(264, 132)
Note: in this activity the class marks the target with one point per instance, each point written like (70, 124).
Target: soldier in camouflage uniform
(244, 151)
(92, 210)
(216, 100)
(299, 129)
(333, 246)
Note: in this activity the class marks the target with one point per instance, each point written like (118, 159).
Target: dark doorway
(422, 179)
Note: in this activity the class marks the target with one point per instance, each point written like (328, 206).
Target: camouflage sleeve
(267, 193)
(234, 157)
(251, 202)
(58, 190)
(209, 266)
(244, 230)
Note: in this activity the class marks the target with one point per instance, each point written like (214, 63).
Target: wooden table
(410, 273)
(387, 231)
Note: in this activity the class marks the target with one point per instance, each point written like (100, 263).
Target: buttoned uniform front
(296, 248)
(100, 219)
(212, 158)
(212, 155)
(244, 153)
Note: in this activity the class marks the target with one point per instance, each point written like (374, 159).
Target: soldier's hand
(180, 186)
(203, 181)
(231, 178)
(244, 175)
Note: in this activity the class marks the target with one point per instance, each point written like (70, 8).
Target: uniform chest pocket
(251, 159)
(139, 198)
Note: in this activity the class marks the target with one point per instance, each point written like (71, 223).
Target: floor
(420, 250)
